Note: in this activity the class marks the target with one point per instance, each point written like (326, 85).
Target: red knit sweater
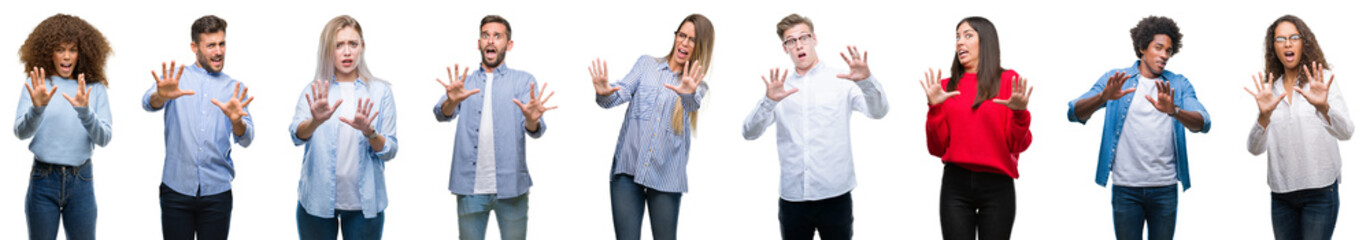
(987, 139)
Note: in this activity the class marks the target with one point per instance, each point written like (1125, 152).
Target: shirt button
(644, 164)
(649, 150)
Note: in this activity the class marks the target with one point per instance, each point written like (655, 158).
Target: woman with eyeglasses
(648, 170)
(1302, 117)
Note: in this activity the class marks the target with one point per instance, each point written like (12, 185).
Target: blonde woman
(346, 120)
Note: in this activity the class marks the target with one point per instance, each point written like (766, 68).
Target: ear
(509, 46)
(195, 48)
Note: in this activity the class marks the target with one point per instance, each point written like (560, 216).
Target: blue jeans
(354, 225)
(473, 214)
(629, 199)
(1155, 207)
(58, 192)
(1305, 214)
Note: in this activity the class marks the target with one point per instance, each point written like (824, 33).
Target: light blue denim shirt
(197, 132)
(511, 166)
(1185, 99)
(648, 147)
(318, 179)
(63, 134)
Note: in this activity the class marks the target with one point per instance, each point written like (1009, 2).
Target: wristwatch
(1176, 112)
(373, 134)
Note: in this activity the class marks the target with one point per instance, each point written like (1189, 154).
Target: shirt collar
(499, 70)
(1136, 69)
(358, 81)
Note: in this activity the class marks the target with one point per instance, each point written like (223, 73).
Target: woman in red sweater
(979, 143)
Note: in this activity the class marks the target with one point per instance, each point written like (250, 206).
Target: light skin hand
(933, 88)
(39, 93)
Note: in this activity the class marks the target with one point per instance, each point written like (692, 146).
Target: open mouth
(681, 53)
(962, 54)
(802, 55)
(1289, 56)
(66, 67)
(1160, 64)
(347, 62)
(490, 53)
(216, 60)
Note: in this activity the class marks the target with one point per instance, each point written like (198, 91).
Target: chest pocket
(646, 102)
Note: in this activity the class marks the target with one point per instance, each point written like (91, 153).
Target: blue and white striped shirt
(318, 177)
(511, 166)
(197, 134)
(648, 148)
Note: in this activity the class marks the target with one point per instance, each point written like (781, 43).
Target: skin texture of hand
(39, 93)
(532, 111)
(775, 86)
(1019, 99)
(599, 75)
(857, 63)
(233, 108)
(689, 79)
(82, 98)
(1113, 89)
(933, 88)
(362, 120)
(1317, 90)
(1266, 100)
(168, 87)
(1165, 98)
(456, 85)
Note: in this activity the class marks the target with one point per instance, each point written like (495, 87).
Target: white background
(1061, 47)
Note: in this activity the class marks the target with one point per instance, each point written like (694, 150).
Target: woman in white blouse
(1302, 116)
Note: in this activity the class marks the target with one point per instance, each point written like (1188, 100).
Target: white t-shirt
(348, 195)
(485, 148)
(1146, 147)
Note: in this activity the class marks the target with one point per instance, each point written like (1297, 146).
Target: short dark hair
(508, 30)
(791, 21)
(1146, 31)
(207, 24)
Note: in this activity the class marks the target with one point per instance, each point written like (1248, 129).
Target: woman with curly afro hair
(63, 56)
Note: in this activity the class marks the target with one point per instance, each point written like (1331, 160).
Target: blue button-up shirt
(318, 177)
(197, 132)
(648, 147)
(1185, 99)
(64, 134)
(511, 167)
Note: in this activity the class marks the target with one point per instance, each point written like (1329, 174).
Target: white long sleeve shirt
(1300, 143)
(813, 133)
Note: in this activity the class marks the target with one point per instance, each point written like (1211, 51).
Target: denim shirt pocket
(646, 103)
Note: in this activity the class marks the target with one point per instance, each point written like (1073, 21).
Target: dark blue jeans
(1154, 207)
(1305, 214)
(629, 199)
(354, 225)
(831, 217)
(60, 193)
(195, 217)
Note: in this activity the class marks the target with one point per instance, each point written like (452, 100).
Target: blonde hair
(703, 51)
(326, 71)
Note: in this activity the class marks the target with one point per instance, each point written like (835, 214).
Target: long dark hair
(1311, 51)
(988, 67)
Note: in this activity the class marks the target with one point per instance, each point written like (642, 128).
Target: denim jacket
(1185, 99)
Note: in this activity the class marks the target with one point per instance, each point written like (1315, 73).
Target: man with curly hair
(1143, 144)
(195, 194)
(63, 132)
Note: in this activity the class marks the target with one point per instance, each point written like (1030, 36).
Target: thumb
(215, 101)
(73, 101)
(187, 92)
(516, 102)
(953, 93)
(1001, 102)
(1149, 99)
(844, 75)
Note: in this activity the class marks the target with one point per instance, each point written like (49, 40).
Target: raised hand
(1165, 98)
(775, 86)
(933, 87)
(168, 87)
(362, 120)
(599, 75)
(233, 108)
(1265, 97)
(38, 89)
(456, 85)
(1019, 99)
(532, 111)
(82, 98)
(318, 102)
(857, 62)
(1317, 90)
(689, 79)
(1113, 89)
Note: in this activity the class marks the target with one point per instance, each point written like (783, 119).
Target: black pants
(832, 218)
(186, 217)
(976, 202)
